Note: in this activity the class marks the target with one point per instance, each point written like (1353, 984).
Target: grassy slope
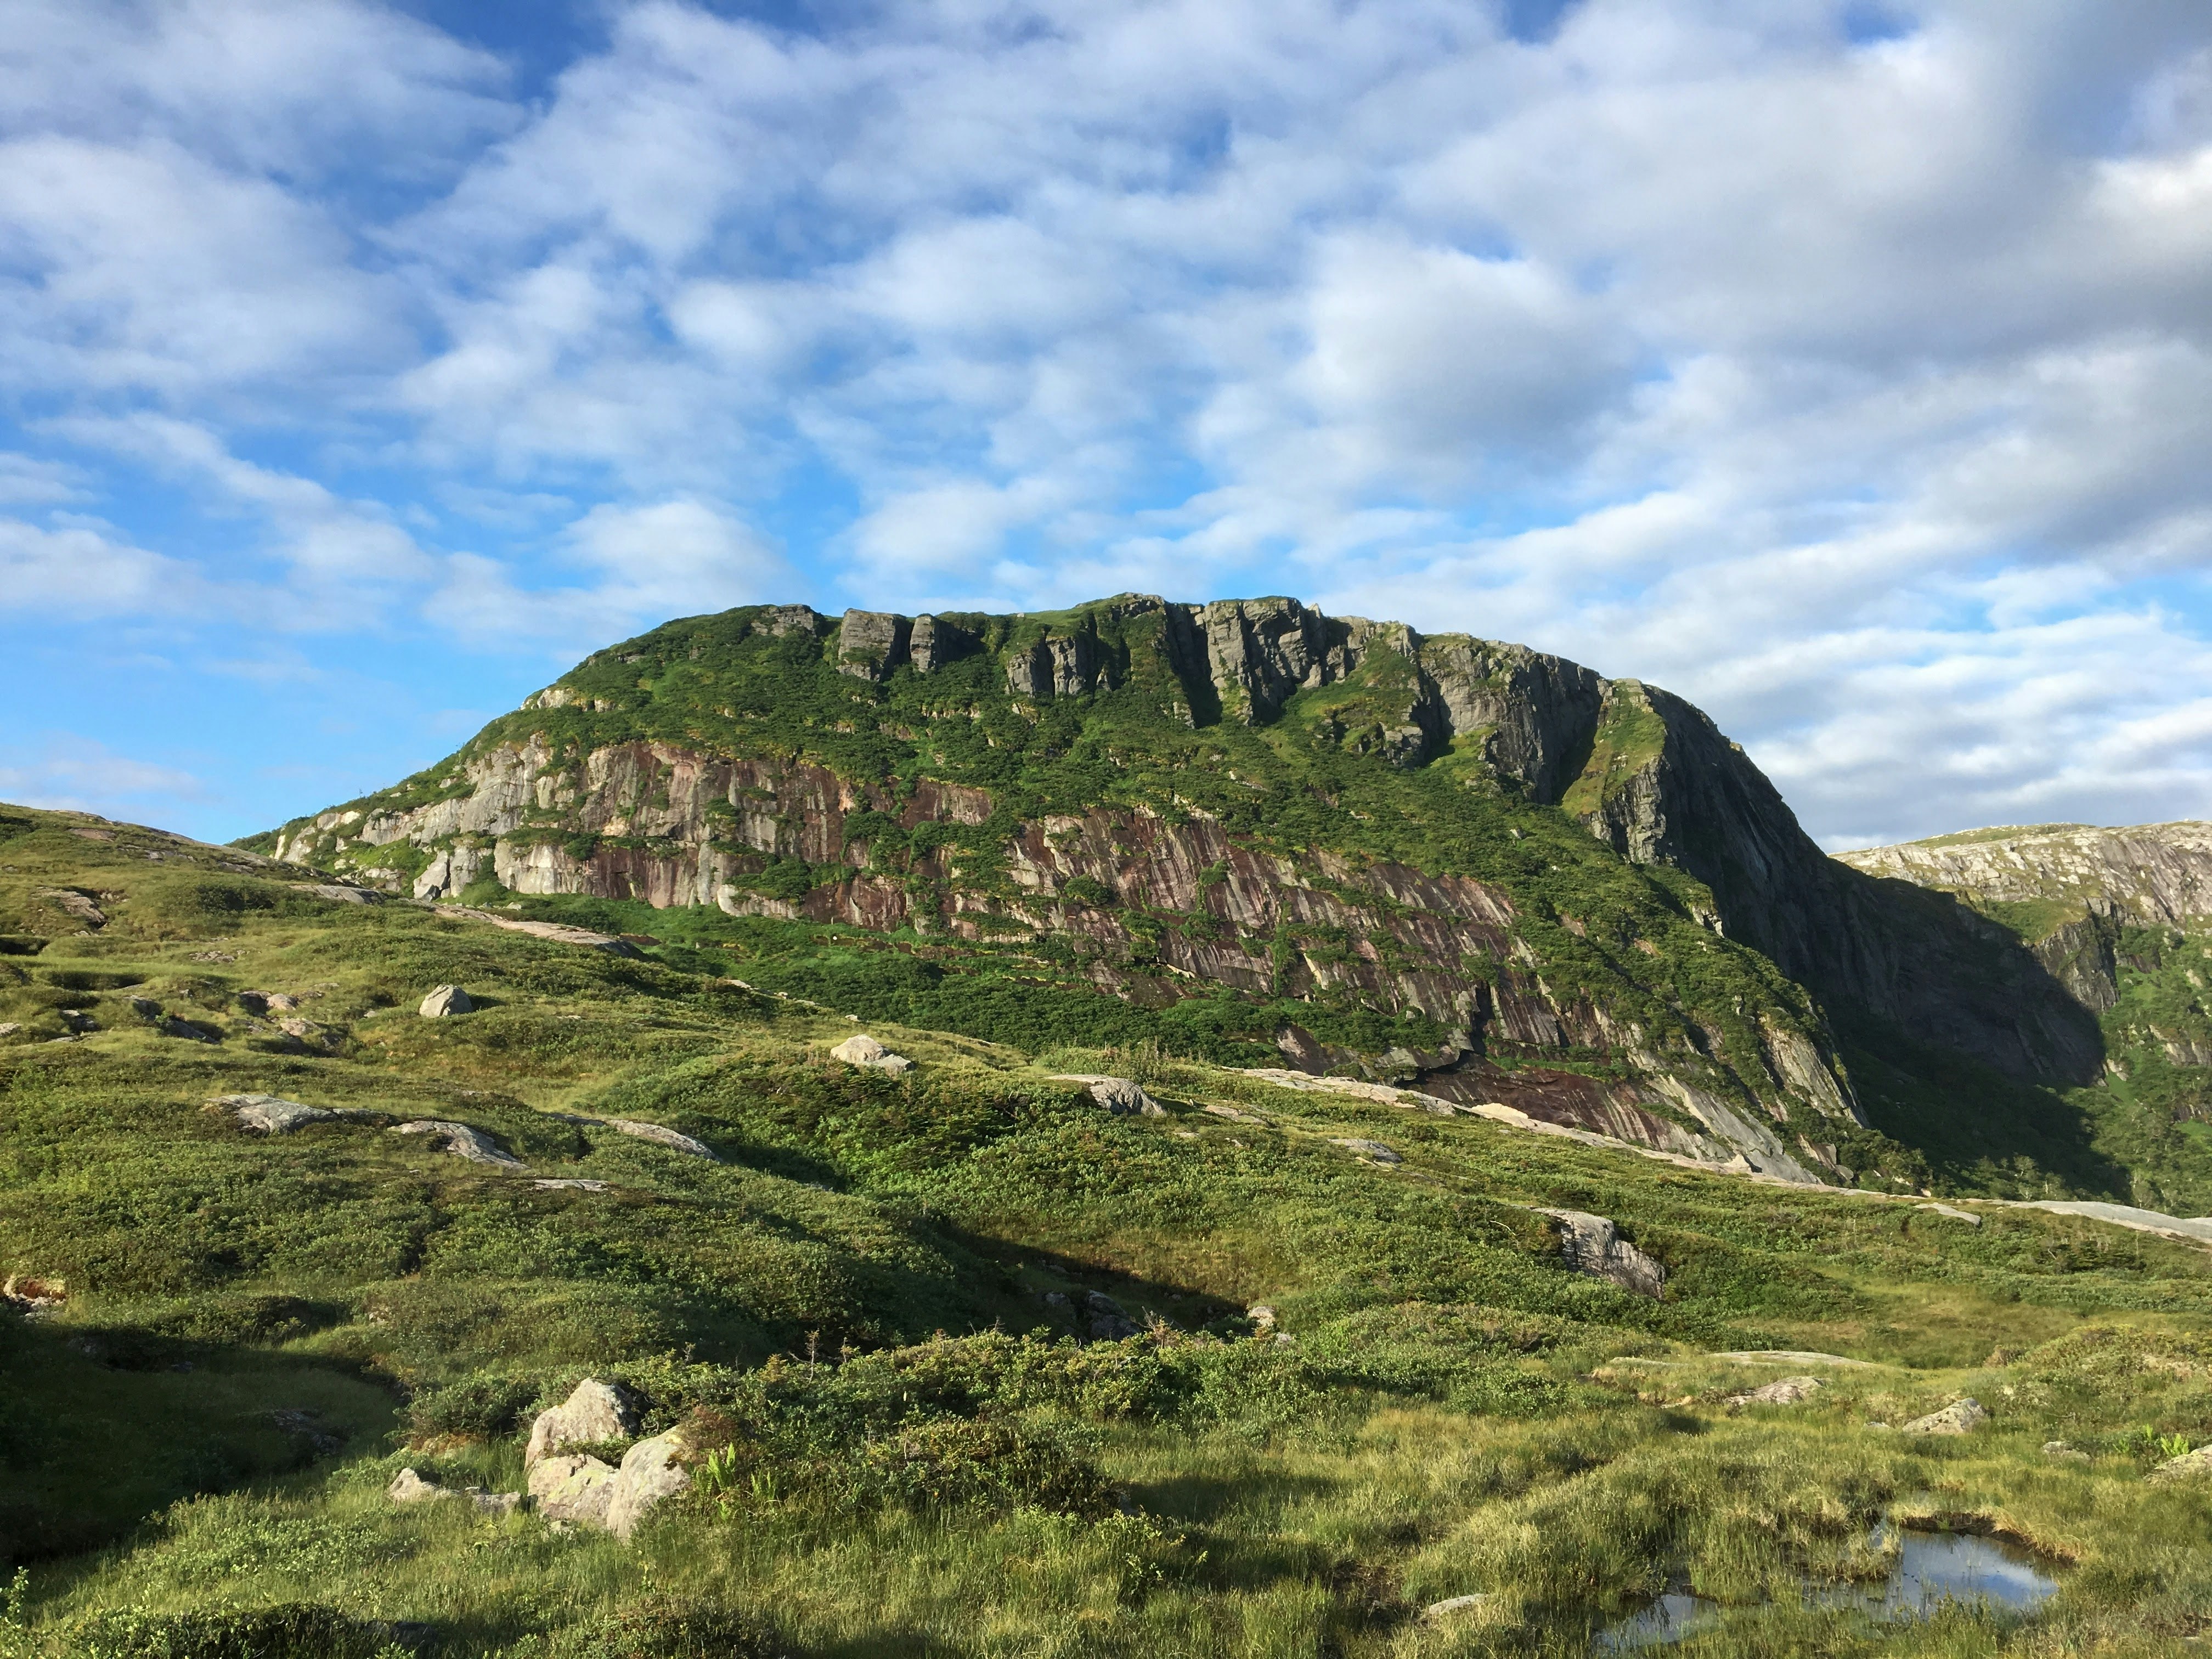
(1445, 1418)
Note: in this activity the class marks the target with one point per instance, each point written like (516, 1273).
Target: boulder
(271, 1115)
(1952, 1213)
(1109, 1321)
(574, 1488)
(1368, 1149)
(1787, 1391)
(568, 1182)
(8, 1027)
(661, 1135)
(1454, 1607)
(1959, 1417)
(651, 1472)
(444, 1000)
(864, 1050)
(461, 1141)
(494, 1502)
(147, 1009)
(1591, 1244)
(2186, 1467)
(185, 1031)
(408, 1487)
(2059, 1450)
(1118, 1095)
(1261, 1315)
(593, 1412)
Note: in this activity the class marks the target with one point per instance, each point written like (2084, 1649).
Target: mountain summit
(1341, 844)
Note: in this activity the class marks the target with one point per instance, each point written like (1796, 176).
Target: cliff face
(2157, 874)
(1249, 795)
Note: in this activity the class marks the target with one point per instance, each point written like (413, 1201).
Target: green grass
(1455, 1412)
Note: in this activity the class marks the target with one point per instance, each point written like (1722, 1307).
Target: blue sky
(1846, 367)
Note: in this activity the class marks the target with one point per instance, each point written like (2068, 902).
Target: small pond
(1932, 1568)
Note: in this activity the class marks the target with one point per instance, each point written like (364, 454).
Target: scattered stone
(2063, 1452)
(1234, 1115)
(1454, 1607)
(1109, 1322)
(494, 1502)
(28, 1293)
(864, 1050)
(1055, 1299)
(574, 1488)
(309, 1425)
(1118, 1095)
(305, 1032)
(185, 1031)
(593, 1414)
(147, 1009)
(1369, 1149)
(1591, 1244)
(79, 1023)
(78, 907)
(461, 1141)
(576, 1182)
(1967, 1216)
(1787, 1391)
(651, 1472)
(1261, 1315)
(408, 1487)
(1959, 1417)
(661, 1135)
(2182, 1467)
(8, 1027)
(444, 1000)
(271, 1114)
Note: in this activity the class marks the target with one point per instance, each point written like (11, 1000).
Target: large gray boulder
(1785, 1391)
(574, 1488)
(661, 1135)
(1373, 1150)
(461, 1141)
(408, 1487)
(271, 1115)
(864, 1051)
(593, 1414)
(2186, 1467)
(444, 1000)
(653, 1471)
(1591, 1244)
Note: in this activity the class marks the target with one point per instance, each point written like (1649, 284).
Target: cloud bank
(1846, 368)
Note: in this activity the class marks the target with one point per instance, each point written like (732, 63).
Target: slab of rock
(1118, 1095)
(1109, 1321)
(1967, 1216)
(1785, 1391)
(2184, 1467)
(338, 894)
(574, 1488)
(1959, 1417)
(494, 1502)
(446, 999)
(661, 1135)
(1794, 1357)
(147, 1009)
(267, 1002)
(408, 1487)
(653, 1471)
(185, 1031)
(8, 1027)
(576, 1182)
(271, 1115)
(593, 1412)
(78, 906)
(2059, 1450)
(461, 1141)
(558, 933)
(1454, 1607)
(864, 1050)
(1591, 1244)
(1369, 1149)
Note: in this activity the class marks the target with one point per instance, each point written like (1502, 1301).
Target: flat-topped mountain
(1341, 842)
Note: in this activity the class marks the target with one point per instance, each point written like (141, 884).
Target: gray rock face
(934, 642)
(871, 643)
(1055, 665)
(1108, 1320)
(574, 1488)
(1368, 1149)
(444, 1000)
(1591, 1244)
(408, 1487)
(1785, 1391)
(2188, 1467)
(661, 1135)
(78, 907)
(461, 1140)
(1959, 1417)
(594, 1412)
(1117, 1095)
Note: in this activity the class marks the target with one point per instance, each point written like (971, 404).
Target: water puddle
(1932, 1568)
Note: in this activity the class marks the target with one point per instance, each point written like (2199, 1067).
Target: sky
(1845, 368)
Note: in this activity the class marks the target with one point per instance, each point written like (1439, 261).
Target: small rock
(494, 1502)
(310, 1426)
(446, 999)
(1591, 1244)
(306, 1031)
(186, 1031)
(1370, 1149)
(28, 1293)
(573, 1488)
(2063, 1452)
(576, 1182)
(593, 1412)
(1055, 1299)
(147, 1009)
(1967, 1216)
(2184, 1466)
(661, 1135)
(1787, 1391)
(865, 1051)
(8, 1027)
(461, 1141)
(269, 1114)
(1261, 1315)
(79, 1022)
(1109, 1322)
(1118, 1095)
(1959, 1417)
(408, 1487)
(1454, 1607)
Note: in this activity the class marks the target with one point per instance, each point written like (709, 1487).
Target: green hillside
(964, 1364)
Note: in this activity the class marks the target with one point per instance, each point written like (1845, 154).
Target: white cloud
(76, 773)
(74, 571)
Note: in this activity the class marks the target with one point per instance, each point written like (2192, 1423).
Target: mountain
(1342, 844)
(2122, 918)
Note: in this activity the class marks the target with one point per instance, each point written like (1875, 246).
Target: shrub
(296, 1630)
(668, 1627)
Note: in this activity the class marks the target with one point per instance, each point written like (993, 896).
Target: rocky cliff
(1247, 797)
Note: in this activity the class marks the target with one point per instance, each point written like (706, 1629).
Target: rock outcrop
(865, 1052)
(461, 1140)
(593, 1414)
(1959, 1417)
(1591, 1244)
(444, 1000)
(1117, 1095)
